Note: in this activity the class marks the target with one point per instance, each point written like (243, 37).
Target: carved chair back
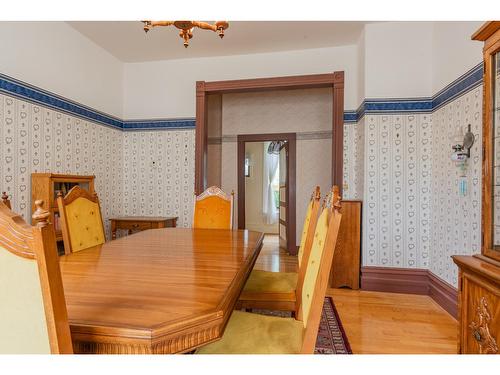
(33, 316)
(5, 200)
(81, 221)
(213, 209)
(318, 268)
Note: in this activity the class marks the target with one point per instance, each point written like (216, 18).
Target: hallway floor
(381, 323)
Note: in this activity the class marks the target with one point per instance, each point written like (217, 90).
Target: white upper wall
(398, 59)
(57, 58)
(453, 51)
(166, 89)
(361, 68)
(390, 60)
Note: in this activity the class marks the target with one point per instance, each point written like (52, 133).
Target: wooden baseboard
(395, 280)
(444, 294)
(411, 281)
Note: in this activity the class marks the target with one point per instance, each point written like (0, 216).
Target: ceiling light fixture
(187, 27)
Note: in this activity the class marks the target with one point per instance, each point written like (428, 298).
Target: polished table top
(157, 291)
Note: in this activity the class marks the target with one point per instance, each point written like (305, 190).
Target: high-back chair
(213, 209)
(248, 333)
(81, 221)
(281, 290)
(5, 200)
(33, 316)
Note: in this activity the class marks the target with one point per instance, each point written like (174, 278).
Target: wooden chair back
(306, 241)
(318, 268)
(5, 200)
(33, 316)
(81, 220)
(213, 209)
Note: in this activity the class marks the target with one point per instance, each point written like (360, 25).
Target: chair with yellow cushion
(248, 333)
(5, 199)
(281, 290)
(33, 316)
(81, 220)
(213, 209)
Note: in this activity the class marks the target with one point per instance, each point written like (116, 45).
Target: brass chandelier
(187, 27)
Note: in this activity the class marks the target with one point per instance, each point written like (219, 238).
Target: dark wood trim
(411, 281)
(395, 280)
(444, 294)
(334, 80)
(275, 83)
(338, 131)
(201, 139)
(291, 174)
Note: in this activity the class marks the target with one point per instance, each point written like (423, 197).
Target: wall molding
(463, 84)
(22, 90)
(411, 281)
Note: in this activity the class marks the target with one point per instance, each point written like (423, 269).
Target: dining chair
(33, 316)
(248, 333)
(81, 221)
(5, 199)
(281, 290)
(213, 209)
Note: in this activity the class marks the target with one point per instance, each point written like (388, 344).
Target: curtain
(271, 163)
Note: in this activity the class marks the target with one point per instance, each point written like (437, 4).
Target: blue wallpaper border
(10, 86)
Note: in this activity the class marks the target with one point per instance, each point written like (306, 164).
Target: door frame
(291, 138)
(334, 80)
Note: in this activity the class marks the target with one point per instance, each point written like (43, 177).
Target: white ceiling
(127, 41)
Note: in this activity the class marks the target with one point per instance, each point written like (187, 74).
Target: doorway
(266, 186)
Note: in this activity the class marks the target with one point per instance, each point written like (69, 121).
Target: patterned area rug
(331, 335)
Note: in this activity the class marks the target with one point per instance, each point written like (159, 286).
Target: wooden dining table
(167, 290)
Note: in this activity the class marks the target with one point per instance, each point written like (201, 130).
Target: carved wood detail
(481, 330)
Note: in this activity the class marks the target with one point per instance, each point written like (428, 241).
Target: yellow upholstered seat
(277, 290)
(274, 282)
(248, 333)
(213, 209)
(257, 334)
(81, 220)
(33, 316)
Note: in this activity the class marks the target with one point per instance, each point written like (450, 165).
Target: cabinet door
(481, 317)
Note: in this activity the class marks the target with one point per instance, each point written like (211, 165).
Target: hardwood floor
(393, 323)
(272, 258)
(381, 323)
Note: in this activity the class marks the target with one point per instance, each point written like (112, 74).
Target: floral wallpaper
(397, 190)
(37, 139)
(456, 219)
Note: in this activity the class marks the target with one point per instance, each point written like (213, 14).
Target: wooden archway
(334, 80)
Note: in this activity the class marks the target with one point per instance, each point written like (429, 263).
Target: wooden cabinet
(479, 275)
(479, 305)
(139, 223)
(347, 256)
(45, 186)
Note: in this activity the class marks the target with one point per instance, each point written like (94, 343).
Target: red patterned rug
(331, 335)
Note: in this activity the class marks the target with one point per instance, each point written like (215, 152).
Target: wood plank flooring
(379, 323)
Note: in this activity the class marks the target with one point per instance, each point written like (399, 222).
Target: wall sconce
(461, 154)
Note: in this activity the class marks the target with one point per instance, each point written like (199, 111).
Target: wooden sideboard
(347, 257)
(478, 305)
(139, 223)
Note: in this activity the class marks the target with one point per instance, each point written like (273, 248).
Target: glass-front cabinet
(491, 142)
